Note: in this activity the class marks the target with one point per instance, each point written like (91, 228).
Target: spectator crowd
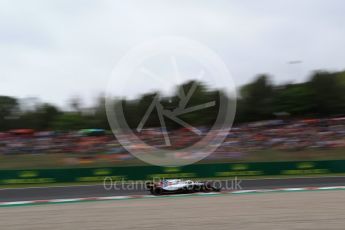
(292, 135)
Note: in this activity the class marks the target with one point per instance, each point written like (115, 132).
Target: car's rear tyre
(158, 191)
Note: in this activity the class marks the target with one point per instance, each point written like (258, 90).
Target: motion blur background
(287, 59)
(61, 167)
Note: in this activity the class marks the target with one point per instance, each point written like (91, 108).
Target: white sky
(56, 49)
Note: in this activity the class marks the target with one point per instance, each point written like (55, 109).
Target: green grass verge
(37, 161)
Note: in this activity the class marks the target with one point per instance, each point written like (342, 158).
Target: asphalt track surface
(65, 192)
(273, 211)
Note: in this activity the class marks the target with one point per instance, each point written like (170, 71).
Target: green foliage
(135, 110)
(256, 100)
(295, 99)
(8, 108)
(322, 95)
(328, 93)
(69, 121)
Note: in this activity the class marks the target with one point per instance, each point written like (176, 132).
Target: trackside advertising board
(224, 170)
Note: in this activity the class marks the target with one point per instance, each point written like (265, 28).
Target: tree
(295, 99)
(256, 100)
(9, 109)
(69, 121)
(328, 93)
(76, 104)
(99, 119)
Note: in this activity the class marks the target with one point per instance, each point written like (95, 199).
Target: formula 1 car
(176, 186)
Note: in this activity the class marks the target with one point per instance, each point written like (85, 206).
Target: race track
(65, 192)
(279, 211)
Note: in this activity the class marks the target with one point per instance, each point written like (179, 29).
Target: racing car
(175, 186)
